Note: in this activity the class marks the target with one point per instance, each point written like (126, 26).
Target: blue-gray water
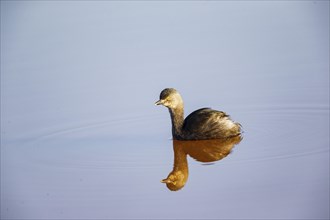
(81, 138)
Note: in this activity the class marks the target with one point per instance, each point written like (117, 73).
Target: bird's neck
(180, 158)
(177, 118)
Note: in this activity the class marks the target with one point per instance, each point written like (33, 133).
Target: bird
(202, 124)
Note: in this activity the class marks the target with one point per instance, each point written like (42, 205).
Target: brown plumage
(202, 124)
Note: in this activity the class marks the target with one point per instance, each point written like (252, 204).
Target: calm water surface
(82, 139)
(112, 169)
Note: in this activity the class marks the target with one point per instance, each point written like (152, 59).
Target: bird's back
(207, 123)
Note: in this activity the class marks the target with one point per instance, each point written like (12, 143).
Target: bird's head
(170, 98)
(175, 180)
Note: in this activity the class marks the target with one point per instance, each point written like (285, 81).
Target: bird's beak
(159, 102)
(165, 181)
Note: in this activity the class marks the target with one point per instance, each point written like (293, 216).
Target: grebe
(202, 124)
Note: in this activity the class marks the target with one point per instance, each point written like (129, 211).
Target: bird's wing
(204, 122)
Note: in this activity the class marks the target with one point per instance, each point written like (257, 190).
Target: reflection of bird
(201, 150)
(201, 124)
(210, 150)
(178, 177)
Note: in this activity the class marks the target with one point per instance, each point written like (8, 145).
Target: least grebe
(202, 124)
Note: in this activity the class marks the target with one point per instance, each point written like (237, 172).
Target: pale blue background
(80, 137)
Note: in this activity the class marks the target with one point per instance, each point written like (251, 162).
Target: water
(81, 138)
